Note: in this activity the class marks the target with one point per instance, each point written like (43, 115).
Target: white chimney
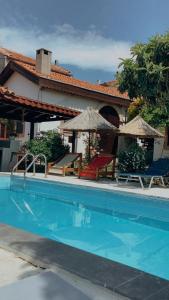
(43, 61)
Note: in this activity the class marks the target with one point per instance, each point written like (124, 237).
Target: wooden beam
(32, 131)
(73, 141)
(13, 110)
(4, 104)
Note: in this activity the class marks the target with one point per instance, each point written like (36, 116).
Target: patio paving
(13, 268)
(21, 280)
(46, 285)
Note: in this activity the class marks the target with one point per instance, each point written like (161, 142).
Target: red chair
(98, 167)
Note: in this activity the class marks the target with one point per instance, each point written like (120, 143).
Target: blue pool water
(130, 229)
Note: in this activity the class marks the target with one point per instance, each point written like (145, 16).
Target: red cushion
(97, 162)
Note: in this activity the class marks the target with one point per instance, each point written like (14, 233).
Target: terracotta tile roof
(61, 75)
(111, 83)
(111, 91)
(12, 55)
(10, 97)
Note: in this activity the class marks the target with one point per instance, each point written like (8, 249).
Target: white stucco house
(40, 80)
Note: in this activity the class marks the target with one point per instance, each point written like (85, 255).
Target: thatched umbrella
(139, 128)
(88, 121)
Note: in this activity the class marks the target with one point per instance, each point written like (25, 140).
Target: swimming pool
(130, 229)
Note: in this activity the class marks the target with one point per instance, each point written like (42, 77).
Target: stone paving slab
(44, 286)
(13, 268)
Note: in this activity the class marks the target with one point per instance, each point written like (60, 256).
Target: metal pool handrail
(21, 160)
(34, 164)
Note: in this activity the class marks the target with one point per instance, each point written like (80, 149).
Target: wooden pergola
(14, 107)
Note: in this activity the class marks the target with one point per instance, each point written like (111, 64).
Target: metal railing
(20, 161)
(33, 163)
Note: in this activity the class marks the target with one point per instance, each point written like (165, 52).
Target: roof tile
(62, 75)
(108, 90)
(12, 55)
(9, 96)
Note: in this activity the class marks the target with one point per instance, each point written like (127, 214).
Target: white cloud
(85, 49)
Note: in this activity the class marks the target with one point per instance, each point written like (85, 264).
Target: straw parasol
(139, 128)
(88, 121)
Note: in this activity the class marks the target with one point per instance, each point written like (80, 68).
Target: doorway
(109, 140)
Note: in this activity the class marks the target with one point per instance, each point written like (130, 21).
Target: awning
(25, 109)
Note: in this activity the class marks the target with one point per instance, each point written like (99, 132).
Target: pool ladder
(35, 158)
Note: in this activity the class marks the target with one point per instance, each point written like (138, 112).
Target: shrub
(94, 146)
(133, 159)
(50, 144)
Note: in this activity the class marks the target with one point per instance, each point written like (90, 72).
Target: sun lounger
(156, 171)
(98, 167)
(66, 164)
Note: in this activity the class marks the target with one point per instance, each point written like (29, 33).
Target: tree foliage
(146, 73)
(146, 76)
(135, 108)
(50, 144)
(155, 115)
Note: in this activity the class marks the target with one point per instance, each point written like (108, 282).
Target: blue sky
(86, 36)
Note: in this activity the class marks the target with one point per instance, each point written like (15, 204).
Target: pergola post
(32, 130)
(73, 141)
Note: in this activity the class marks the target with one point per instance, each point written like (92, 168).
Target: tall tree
(146, 74)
